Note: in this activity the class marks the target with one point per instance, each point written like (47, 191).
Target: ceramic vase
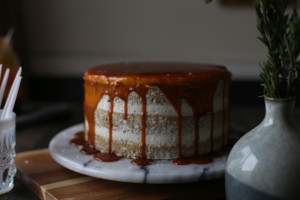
(265, 163)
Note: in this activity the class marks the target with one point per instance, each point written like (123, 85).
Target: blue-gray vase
(265, 163)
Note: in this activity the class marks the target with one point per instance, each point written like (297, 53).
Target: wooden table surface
(48, 180)
(36, 136)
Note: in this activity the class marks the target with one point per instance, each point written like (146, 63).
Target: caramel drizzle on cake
(176, 80)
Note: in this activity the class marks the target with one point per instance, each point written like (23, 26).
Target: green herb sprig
(280, 32)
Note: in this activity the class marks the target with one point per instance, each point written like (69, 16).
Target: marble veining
(160, 171)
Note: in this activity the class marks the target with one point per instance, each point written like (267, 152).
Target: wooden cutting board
(48, 180)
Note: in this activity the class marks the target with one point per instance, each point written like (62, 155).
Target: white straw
(5, 113)
(14, 83)
(19, 72)
(0, 70)
(9, 105)
(3, 85)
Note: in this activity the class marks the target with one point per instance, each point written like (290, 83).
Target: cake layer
(161, 126)
(126, 142)
(156, 113)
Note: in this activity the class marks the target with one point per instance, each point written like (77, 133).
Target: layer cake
(156, 110)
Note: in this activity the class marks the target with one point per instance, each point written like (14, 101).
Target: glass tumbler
(7, 153)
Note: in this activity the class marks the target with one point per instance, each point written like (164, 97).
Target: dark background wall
(50, 73)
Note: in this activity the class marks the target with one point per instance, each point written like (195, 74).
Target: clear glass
(7, 153)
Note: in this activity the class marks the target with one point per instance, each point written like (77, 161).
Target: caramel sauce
(106, 157)
(125, 109)
(78, 141)
(141, 162)
(143, 136)
(110, 118)
(178, 81)
(199, 160)
(88, 149)
(110, 157)
(79, 134)
(182, 161)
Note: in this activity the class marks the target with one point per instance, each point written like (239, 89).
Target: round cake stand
(159, 172)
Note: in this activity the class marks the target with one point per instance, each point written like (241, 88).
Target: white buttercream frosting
(161, 122)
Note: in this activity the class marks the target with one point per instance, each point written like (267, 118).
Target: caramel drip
(197, 88)
(93, 93)
(106, 157)
(114, 90)
(182, 161)
(88, 149)
(109, 157)
(125, 108)
(123, 93)
(78, 140)
(142, 91)
(110, 122)
(200, 104)
(199, 160)
(79, 134)
(141, 162)
(174, 95)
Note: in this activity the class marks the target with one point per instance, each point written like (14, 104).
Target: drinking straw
(0, 70)
(11, 99)
(3, 85)
(9, 104)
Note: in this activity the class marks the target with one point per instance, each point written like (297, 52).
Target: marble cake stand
(160, 172)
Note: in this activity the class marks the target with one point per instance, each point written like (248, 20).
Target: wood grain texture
(50, 181)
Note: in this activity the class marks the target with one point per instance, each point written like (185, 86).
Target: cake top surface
(156, 72)
(153, 68)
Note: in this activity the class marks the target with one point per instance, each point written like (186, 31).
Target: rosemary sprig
(280, 32)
